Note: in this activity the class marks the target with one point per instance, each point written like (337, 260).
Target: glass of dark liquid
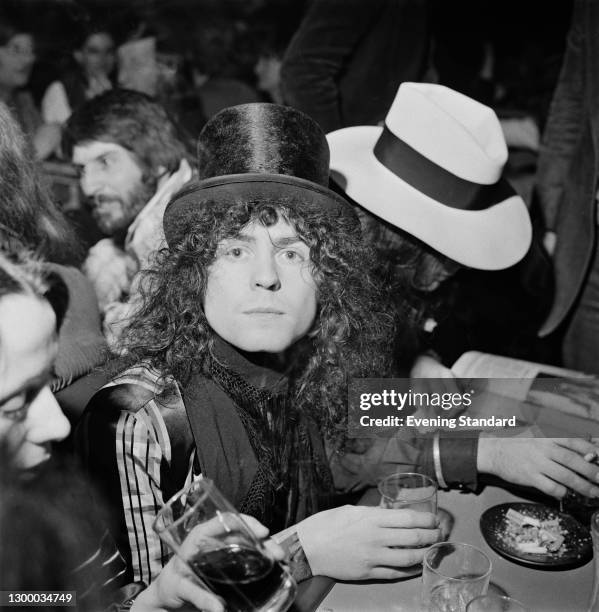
(206, 531)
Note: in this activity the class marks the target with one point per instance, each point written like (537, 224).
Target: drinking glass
(206, 531)
(409, 490)
(495, 603)
(453, 575)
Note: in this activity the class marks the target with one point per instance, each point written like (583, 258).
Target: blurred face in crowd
(260, 293)
(30, 417)
(268, 72)
(154, 75)
(16, 61)
(97, 56)
(113, 181)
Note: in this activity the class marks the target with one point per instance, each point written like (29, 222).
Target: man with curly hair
(253, 321)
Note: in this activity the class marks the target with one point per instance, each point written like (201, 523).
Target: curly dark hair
(405, 259)
(408, 268)
(353, 331)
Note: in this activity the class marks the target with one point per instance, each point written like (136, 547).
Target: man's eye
(235, 252)
(292, 256)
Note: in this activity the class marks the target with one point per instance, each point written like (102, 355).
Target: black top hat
(252, 151)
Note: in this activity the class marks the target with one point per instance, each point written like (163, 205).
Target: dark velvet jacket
(569, 160)
(346, 61)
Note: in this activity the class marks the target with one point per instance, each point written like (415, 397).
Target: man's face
(260, 293)
(112, 180)
(16, 61)
(30, 417)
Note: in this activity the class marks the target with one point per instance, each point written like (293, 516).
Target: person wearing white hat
(432, 175)
(434, 171)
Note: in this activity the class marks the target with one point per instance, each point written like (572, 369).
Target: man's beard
(141, 195)
(136, 201)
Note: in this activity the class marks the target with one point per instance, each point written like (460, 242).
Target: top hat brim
(226, 190)
(493, 238)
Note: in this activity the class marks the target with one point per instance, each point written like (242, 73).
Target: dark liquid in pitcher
(243, 577)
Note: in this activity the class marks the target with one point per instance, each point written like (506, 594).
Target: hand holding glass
(206, 531)
(409, 491)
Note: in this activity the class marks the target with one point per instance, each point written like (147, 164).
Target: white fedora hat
(434, 170)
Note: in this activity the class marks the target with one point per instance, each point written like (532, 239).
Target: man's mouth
(103, 206)
(101, 211)
(264, 311)
(101, 199)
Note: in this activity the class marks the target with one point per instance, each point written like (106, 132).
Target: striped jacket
(137, 447)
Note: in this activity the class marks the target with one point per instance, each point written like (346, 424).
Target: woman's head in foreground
(31, 308)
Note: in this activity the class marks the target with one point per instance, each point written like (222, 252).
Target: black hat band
(435, 181)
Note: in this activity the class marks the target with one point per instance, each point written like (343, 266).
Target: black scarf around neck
(263, 454)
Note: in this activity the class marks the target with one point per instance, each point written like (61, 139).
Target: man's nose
(88, 182)
(45, 421)
(266, 273)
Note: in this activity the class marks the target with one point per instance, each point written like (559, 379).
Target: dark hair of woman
(28, 217)
(48, 526)
(23, 274)
(352, 331)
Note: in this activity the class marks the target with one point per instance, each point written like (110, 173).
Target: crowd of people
(250, 267)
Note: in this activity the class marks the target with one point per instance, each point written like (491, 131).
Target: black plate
(576, 550)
